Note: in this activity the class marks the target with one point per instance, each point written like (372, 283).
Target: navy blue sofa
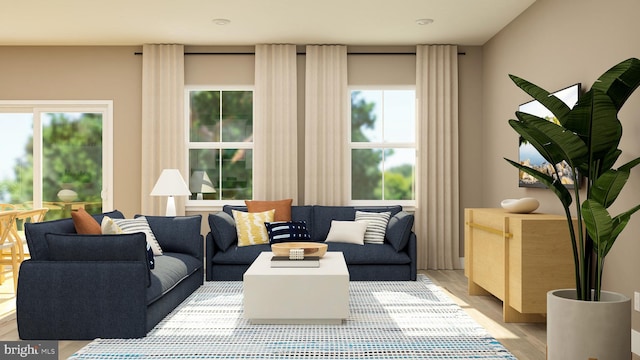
(82, 287)
(393, 260)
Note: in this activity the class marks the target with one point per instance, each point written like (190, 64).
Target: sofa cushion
(229, 208)
(85, 223)
(399, 230)
(282, 208)
(35, 232)
(376, 225)
(223, 230)
(393, 209)
(285, 231)
(171, 268)
(370, 254)
(351, 232)
(170, 231)
(81, 247)
(250, 227)
(240, 255)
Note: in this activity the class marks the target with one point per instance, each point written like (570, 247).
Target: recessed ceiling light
(221, 21)
(424, 21)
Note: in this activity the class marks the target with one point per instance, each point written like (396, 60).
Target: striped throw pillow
(110, 227)
(140, 224)
(376, 225)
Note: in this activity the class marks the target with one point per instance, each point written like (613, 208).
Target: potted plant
(587, 138)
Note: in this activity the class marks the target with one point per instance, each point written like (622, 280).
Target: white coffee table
(297, 295)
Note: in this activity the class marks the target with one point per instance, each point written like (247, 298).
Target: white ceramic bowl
(520, 206)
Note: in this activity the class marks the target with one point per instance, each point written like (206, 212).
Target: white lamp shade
(170, 183)
(201, 183)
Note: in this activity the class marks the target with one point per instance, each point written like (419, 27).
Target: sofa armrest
(180, 234)
(81, 300)
(209, 252)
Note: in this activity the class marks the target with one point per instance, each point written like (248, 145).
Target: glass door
(56, 159)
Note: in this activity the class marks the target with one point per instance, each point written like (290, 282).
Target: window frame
(406, 204)
(208, 205)
(38, 107)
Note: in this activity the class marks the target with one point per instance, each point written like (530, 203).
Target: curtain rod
(298, 53)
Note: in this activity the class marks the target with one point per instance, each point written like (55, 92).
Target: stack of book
(285, 261)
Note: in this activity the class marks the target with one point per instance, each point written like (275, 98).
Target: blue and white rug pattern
(388, 320)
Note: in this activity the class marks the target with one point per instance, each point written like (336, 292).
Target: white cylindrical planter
(583, 330)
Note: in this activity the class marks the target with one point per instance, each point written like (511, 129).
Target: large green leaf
(609, 160)
(538, 140)
(620, 81)
(551, 102)
(607, 187)
(595, 119)
(619, 223)
(552, 141)
(630, 165)
(598, 223)
(554, 185)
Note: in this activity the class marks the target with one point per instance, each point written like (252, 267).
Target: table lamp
(200, 183)
(170, 183)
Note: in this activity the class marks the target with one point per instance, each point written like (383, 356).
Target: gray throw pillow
(223, 230)
(399, 230)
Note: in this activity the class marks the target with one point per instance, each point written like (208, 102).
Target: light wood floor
(525, 341)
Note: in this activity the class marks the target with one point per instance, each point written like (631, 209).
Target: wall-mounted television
(529, 156)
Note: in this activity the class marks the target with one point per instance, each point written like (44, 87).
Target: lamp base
(171, 206)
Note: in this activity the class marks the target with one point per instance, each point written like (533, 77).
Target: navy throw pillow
(399, 230)
(287, 231)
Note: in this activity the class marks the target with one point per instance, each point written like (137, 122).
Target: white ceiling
(189, 22)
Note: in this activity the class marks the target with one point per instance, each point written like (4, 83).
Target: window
(220, 144)
(383, 145)
(56, 154)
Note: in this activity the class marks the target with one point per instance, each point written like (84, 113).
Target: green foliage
(223, 116)
(587, 138)
(71, 157)
(398, 183)
(365, 163)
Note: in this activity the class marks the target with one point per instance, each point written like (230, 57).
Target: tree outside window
(71, 159)
(221, 144)
(383, 147)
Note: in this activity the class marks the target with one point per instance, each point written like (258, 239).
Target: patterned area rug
(388, 320)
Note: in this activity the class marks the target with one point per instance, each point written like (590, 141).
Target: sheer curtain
(163, 133)
(275, 123)
(437, 214)
(326, 125)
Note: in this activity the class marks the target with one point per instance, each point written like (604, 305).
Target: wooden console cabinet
(517, 258)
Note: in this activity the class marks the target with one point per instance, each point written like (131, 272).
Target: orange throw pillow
(85, 223)
(282, 207)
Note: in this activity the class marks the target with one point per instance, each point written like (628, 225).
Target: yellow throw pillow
(250, 227)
